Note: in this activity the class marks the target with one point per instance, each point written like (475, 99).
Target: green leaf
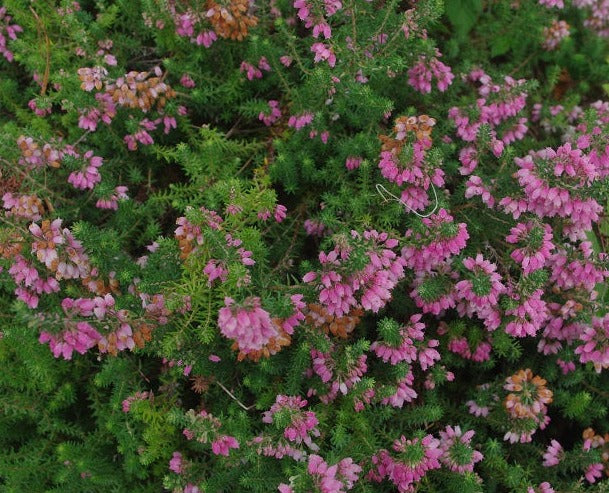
(500, 45)
(463, 14)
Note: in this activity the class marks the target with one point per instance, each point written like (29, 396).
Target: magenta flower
(421, 74)
(223, 444)
(302, 425)
(249, 325)
(484, 286)
(175, 464)
(457, 453)
(323, 53)
(553, 454)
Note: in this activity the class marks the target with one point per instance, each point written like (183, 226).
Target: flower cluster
(33, 156)
(537, 241)
(479, 293)
(248, 324)
(527, 401)
(554, 34)
(421, 74)
(457, 453)
(7, 30)
(336, 374)
(318, 316)
(372, 283)
(27, 207)
(414, 458)
(299, 426)
(408, 347)
(204, 428)
(338, 478)
(405, 160)
(434, 242)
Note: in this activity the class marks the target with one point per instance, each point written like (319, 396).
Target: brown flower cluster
(529, 396)
(317, 316)
(594, 441)
(140, 90)
(231, 19)
(11, 246)
(420, 127)
(24, 206)
(142, 333)
(274, 345)
(32, 154)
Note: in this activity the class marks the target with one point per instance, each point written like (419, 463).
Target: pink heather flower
(251, 71)
(460, 346)
(90, 177)
(576, 268)
(333, 479)
(7, 30)
(477, 410)
(325, 367)
(222, 445)
(175, 464)
(544, 487)
(457, 453)
(25, 206)
(206, 38)
(314, 228)
(420, 75)
(530, 315)
(406, 350)
(475, 187)
(559, 4)
(433, 243)
(263, 64)
(280, 213)
(120, 193)
(538, 245)
(215, 269)
(322, 28)
(404, 392)
(264, 215)
(553, 454)
(302, 425)
(484, 287)
(284, 488)
(595, 343)
(554, 34)
(286, 60)
(80, 338)
(249, 325)
(323, 53)
(414, 458)
(38, 111)
(187, 81)
(273, 116)
(138, 396)
(353, 162)
(300, 121)
(572, 171)
(411, 167)
(565, 366)
(594, 472)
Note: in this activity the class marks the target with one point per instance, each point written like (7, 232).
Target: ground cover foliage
(304, 246)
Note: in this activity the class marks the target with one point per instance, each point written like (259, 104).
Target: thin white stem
(382, 191)
(247, 408)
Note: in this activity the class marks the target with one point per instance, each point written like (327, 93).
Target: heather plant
(304, 246)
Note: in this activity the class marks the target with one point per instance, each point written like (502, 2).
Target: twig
(230, 394)
(47, 43)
